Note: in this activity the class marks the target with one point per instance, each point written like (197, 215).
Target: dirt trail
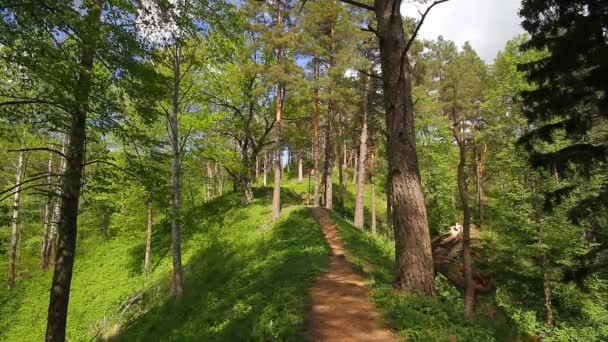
(341, 310)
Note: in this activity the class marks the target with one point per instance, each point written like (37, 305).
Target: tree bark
(341, 153)
(64, 262)
(51, 248)
(276, 194)
(547, 292)
(414, 261)
(178, 278)
(479, 172)
(315, 138)
(47, 216)
(15, 223)
(328, 168)
(457, 128)
(265, 169)
(246, 188)
(300, 168)
(372, 181)
(360, 200)
(148, 238)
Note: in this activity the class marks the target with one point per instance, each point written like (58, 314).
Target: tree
(76, 39)
(462, 89)
(412, 240)
(565, 108)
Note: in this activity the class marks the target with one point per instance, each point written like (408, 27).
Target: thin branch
(40, 149)
(21, 190)
(24, 182)
(358, 4)
(415, 33)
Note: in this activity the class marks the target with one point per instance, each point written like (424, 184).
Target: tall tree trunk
(51, 248)
(178, 278)
(257, 168)
(355, 171)
(390, 225)
(328, 168)
(15, 223)
(414, 260)
(211, 178)
(219, 174)
(372, 181)
(457, 131)
(265, 169)
(360, 200)
(148, 238)
(246, 188)
(341, 152)
(300, 168)
(316, 153)
(547, 292)
(479, 172)
(72, 181)
(44, 262)
(276, 193)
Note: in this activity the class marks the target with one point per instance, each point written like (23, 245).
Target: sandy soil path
(341, 310)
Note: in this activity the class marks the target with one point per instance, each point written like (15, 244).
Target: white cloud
(486, 24)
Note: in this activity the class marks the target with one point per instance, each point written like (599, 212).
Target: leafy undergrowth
(245, 279)
(414, 316)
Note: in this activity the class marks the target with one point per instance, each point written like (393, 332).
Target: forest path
(340, 308)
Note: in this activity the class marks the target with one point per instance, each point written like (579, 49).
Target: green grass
(245, 279)
(416, 317)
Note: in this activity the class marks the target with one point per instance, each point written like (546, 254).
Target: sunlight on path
(340, 309)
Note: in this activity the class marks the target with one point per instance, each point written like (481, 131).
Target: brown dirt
(341, 310)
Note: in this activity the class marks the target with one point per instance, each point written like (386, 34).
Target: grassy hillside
(245, 278)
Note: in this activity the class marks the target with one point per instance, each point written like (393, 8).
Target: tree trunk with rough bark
(414, 261)
(276, 193)
(72, 181)
(315, 137)
(360, 200)
(15, 222)
(148, 238)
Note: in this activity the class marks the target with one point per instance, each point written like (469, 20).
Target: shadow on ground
(243, 283)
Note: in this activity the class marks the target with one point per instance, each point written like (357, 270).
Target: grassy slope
(245, 279)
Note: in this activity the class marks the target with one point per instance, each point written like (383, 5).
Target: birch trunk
(15, 223)
(47, 216)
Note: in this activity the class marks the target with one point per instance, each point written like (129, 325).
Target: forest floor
(340, 306)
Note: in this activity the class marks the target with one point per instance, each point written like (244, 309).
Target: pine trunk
(15, 223)
(148, 238)
(64, 262)
(414, 261)
(360, 200)
(315, 139)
